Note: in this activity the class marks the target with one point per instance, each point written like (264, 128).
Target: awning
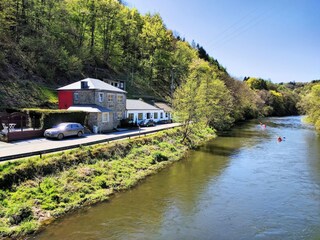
(89, 108)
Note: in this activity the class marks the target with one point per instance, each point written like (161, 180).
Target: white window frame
(105, 117)
(161, 115)
(101, 96)
(131, 116)
(110, 97)
(120, 98)
(140, 114)
(119, 115)
(76, 96)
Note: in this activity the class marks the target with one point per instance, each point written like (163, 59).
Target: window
(105, 117)
(131, 116)
(116, 84)
(110, 97)
(101, 95)
(119, 115)
(166, 114)
(155, 115)
(120, 98)
(122, 85)
(140, 116)
(161, 115)
(76, 96)
(148, 115)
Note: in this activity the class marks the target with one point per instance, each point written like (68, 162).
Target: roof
(163, 106)
(89, 108)
(92, 84)
(133, 104)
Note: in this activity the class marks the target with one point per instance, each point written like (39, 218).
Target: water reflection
(242, 185)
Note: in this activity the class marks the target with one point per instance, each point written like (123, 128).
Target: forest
(49, 43)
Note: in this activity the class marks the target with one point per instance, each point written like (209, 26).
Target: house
(167, 110)
(116, 83)
(104, 103)
(138, 110)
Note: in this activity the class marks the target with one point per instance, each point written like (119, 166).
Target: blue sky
(277, 40)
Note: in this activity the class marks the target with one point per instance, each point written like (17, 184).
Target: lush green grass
(49, 94)
(35, 191)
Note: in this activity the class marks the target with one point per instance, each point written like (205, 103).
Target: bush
(19, 213)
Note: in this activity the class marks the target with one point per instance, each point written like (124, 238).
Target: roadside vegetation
(35, 191)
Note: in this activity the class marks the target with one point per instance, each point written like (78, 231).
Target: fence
(18, 126)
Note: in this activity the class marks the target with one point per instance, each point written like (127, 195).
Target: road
(39, 146)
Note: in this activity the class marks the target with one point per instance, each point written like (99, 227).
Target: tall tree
(311, 104)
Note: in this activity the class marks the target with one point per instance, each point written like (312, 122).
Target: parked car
(147, 123)
(164, 121)
(65, 129)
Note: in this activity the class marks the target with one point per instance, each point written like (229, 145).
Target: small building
(104, 103)
(167, 110)
(138, 110)
(116, 83)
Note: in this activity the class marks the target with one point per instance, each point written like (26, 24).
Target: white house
(138, 110)
(167, 110)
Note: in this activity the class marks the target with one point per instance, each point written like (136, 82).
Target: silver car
(64, 130)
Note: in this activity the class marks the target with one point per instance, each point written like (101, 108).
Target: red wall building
(65, 99)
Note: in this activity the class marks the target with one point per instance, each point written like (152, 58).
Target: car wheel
(60, 136)
(80, 134)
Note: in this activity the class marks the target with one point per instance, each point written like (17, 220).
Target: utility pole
(171, 85)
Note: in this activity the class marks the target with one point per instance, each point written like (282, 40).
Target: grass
(49, 94)
(35, 191)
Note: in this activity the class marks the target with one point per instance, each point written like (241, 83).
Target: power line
(242, 27)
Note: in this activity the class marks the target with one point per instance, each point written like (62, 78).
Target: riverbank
(36, 191)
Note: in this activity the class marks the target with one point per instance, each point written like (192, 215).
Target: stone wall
(114, 101)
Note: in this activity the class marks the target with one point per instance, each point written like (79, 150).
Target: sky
(277, 40)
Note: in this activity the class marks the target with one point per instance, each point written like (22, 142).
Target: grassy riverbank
(35, 191)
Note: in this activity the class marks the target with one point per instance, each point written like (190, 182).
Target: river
(242, 185)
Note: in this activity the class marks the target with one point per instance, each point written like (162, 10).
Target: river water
(242, 185)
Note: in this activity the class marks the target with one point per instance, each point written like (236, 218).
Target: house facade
(166, 109)
(138, 110)
(105, 104)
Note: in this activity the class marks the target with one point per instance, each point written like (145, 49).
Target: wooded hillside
(54, 42)
(49, 43)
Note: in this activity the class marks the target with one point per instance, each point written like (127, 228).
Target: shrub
(19, 213)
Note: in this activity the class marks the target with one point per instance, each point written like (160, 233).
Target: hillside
(47, 44)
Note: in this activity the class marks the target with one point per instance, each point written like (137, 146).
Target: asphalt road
(39, 146)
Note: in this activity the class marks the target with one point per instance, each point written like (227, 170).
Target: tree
(311, 104)
(257, 83)
(202, 100)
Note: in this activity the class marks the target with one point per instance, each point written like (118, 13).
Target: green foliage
(203, 100)
(255, 83)
(56, 42)
(310, 103)
(35, 190)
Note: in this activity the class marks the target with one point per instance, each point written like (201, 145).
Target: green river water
(242, 185)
